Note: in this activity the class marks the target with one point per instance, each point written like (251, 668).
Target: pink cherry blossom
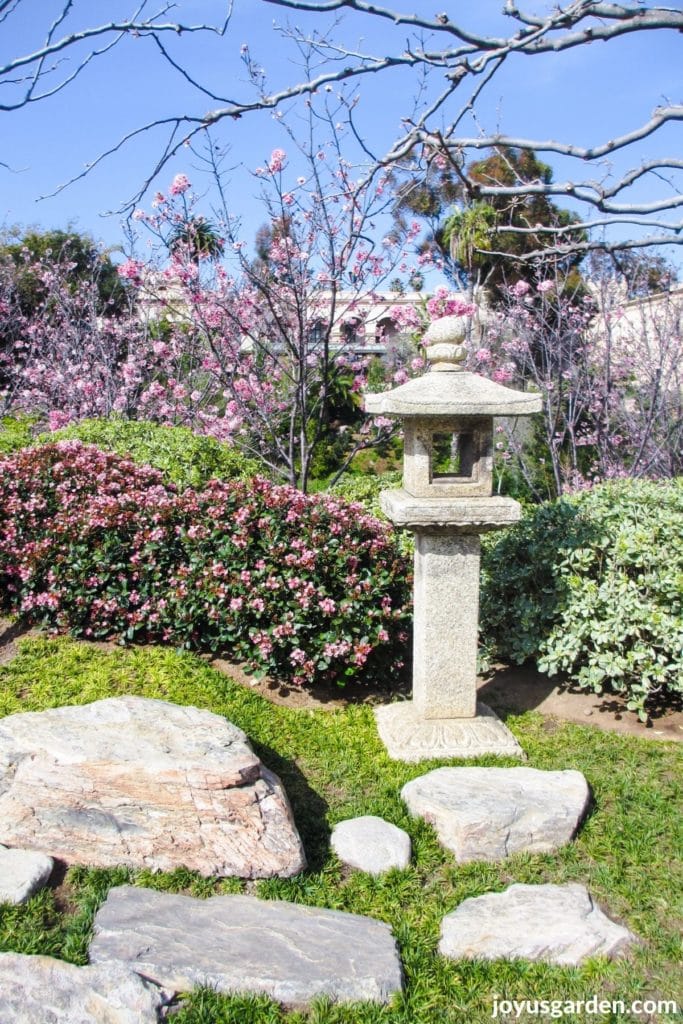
(179, 185)
(277, 161)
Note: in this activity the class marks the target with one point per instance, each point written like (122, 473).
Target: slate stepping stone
(558, 924)
(371, 844)
(40, 990)
(240, 944)
(487, 814)
(22, 873)
(143, 783)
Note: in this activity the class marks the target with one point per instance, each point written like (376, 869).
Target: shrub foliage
(15, 433)
(592, 586)
(184, 458)
(304, 588)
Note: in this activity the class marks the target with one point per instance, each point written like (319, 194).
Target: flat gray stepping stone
(242, 944)
(559, 924)
(22, 872)
(40, 990)
(490, 813)
(143, 783)
(371, 844)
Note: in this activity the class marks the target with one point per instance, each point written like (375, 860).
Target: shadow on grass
(11, 630)
(308, 807)
(514, 690)
(322, 694)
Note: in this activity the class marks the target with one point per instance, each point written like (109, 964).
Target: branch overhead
(61, 54)
(455, 58)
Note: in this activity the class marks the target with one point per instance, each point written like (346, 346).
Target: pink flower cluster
(445, 303)
(179, 185)
(277, 161)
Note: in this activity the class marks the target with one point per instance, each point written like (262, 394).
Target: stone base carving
(408, 737)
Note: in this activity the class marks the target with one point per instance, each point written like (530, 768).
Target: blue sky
(581, 96)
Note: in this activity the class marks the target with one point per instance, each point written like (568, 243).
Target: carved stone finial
(444, 342)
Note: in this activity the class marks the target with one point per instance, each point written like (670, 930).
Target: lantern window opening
(454, 457)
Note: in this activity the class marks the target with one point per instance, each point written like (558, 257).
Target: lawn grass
(628, 851)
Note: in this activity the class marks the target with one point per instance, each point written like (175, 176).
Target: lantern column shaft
(446, 610)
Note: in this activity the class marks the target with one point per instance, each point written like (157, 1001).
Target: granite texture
(488, 814)
(460, 393)
(40, 990)
(371, 844)
(22, 872)
(410, 737)
(471, 438)
(143, 783)
(289, 952)
(471, 515)
(557, 924)
(446, 610)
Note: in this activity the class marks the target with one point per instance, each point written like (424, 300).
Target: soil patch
(326, 695)
(511, 690)
(10, 633)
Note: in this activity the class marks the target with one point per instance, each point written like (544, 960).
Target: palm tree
(198, 238)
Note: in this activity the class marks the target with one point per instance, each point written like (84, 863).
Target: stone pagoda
(446, 501)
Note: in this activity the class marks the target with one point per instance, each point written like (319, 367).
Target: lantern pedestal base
(409, 737)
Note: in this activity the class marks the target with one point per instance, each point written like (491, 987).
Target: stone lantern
(446, 501)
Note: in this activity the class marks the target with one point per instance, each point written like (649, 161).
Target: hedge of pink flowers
(303, 588)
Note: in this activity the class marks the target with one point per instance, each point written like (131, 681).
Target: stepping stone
(22, 873)
(39, 989)
(143, 783)
(242, 944)
(371, 844)
(559, 924)
(490, 813)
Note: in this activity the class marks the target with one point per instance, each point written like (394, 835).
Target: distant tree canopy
(199, 238)
(468, 233)
(77, 254)
(277, 230)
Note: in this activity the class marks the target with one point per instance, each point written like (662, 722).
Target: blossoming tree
(264, 350)
(610, 375)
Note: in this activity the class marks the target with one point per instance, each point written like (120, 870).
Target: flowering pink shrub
(304, 588)
(74, 523)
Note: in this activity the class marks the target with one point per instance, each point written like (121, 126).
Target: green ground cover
(628, 851)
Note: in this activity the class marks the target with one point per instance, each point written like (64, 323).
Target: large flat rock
(143, 783)
(559, 924)
(490, 813)
(40, 990)
(242, 944)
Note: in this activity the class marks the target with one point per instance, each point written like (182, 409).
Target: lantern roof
(452, 394)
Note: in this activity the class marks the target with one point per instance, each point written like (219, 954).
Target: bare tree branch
(593, 245)
(457, 65)
(37, 63)
(660, 117)
(473, 63)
